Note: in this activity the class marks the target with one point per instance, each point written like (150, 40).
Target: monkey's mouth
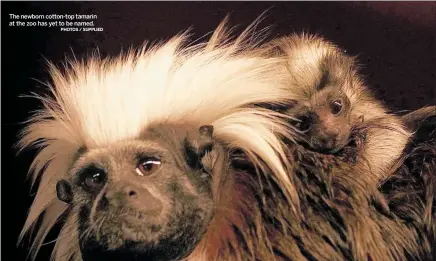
(138, 218)
(336, 148)
(332, 145)
(111, 229)
(349, 152)
(135, 232)
(129, 239)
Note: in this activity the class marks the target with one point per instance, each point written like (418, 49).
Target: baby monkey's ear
(64, 191)
(197, 145)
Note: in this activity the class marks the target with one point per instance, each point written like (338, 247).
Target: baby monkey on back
(333, 109)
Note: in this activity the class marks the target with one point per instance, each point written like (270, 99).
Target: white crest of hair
(101, 101)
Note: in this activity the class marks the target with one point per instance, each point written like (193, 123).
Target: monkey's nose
(143, 200)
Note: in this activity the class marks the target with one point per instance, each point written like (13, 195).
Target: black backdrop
(396, 43)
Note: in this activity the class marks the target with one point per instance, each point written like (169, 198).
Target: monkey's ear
(206, 139)
(361, 118)
(63, 191)
(197, 145)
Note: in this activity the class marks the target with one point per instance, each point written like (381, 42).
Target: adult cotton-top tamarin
(159, 155)
(118, 143)
(333, 106)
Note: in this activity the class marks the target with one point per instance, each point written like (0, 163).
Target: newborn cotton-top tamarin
(333, 106)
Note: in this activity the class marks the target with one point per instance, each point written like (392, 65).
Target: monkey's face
(324, 119)
(148, 198)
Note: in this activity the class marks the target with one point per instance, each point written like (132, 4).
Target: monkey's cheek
(342, 141)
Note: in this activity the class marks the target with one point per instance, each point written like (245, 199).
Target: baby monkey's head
(327, 93)
(324, 119)
(145, 198)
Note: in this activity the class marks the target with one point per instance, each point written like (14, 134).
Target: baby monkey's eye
(148, 166)
(336, 107)
(93, 178)
(302, 124)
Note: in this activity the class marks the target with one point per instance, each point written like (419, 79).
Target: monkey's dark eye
(93, 178)
(148, 166)
(336, 107)
(302, 124)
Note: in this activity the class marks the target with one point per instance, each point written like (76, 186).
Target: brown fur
(341, 218)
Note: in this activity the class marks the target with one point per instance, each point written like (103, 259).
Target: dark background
(395, 41)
